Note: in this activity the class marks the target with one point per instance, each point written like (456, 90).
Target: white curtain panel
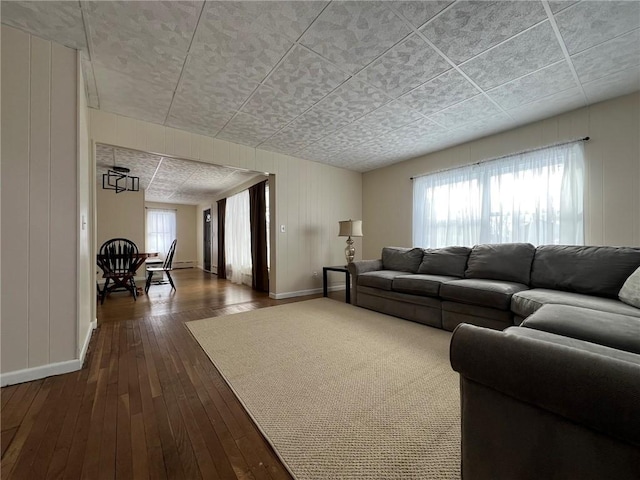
(161, 230)
(534, 197)
(238, 238)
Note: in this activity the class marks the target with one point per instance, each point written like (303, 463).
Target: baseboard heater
(179, 265)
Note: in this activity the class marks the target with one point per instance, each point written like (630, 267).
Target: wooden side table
(337, 268)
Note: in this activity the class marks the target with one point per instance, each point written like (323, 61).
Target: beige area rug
(340, 391)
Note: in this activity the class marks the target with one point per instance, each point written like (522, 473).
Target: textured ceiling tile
(174, 171)
(390, 116)
(304, 74)
(468, 28)
(60, 21)
(138, 57)
(545, 82)
(619, 83)
(352, 34)
(518, 56)
(132, 97)
(552, 105)
(589, 23)
(273, 107)
(291, 139)
(352, 100)
(243, 125)
(405, 66)
(468, 111)
(418, 12)
(354, 134)
(202, 127)
(320, 151)
(191, 109)
(226, 89)
(229, 38)
(609, 57)
(439, 93)
(170, 23)
(316, 123)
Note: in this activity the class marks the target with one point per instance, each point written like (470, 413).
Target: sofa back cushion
(502, 261)
(582, 269)
(401, 259)
(450, 261)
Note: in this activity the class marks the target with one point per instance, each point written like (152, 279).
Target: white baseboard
(36, 373)
(302, 293)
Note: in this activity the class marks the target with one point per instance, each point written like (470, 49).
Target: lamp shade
(350, 228)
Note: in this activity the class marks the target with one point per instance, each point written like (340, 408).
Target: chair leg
(170, 279)
(134, 290)
(103, 294)
(148, 284)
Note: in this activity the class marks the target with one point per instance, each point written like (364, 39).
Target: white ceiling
(353, 84)
(171, 180)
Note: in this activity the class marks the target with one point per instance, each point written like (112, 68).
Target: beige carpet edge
(239, 398)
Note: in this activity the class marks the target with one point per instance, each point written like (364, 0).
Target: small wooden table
(337, 268)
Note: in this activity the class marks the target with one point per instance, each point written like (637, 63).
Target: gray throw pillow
(445, 261)
(401, 259)
(630, 291)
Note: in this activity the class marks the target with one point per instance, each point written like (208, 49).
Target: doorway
(206, 245)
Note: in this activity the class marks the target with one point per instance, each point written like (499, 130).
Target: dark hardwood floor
(148, 402)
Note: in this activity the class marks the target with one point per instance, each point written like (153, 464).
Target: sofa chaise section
(569, 378)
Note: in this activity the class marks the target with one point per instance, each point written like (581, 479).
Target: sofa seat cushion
(574, 343)
(527, 302)
(487, 293)
(609, 329)
(425, 285)
(379, 279)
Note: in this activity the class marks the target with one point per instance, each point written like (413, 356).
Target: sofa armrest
(596, 391)
(358, 268)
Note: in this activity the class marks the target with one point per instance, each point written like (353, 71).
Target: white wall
(39, 184)
(186, 228)
(120, 215)
(310, 198)
(612, 189)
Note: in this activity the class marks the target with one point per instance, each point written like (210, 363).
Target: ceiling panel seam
(565, 51)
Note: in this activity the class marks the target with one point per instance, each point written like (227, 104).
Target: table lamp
(350, 228)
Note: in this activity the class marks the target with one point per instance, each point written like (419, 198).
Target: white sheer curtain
(534, 197)
(237, 230)
(161, 230)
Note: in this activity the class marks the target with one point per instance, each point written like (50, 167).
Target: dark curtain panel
(222, 260)
(257, 214)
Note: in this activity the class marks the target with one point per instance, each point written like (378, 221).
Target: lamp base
(349, 251)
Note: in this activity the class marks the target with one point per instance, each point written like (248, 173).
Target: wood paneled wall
(39, 202)
(612, 187)
(310, 198)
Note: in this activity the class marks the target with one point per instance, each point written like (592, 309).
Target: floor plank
(148, 403)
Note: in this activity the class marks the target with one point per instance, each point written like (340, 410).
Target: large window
(161, 229)
(534, 197)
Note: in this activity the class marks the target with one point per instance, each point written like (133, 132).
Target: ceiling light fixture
(117, 179)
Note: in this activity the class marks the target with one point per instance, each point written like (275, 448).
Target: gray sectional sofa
(556, 393)
(493, 286)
